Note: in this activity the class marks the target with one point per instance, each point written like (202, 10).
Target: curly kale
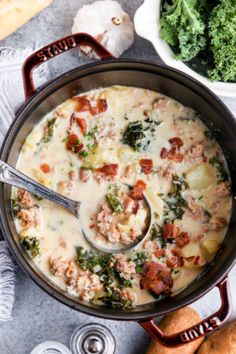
(183, 28)
(203, 29)
(222, 33)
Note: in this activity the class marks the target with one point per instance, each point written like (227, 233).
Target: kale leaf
(113, 299)
(134, 135)
(222, 33)
(31, 244)
(49, 130)
(183, 28)
(113, 200)
(205, 30)
(222, 175)
(138, 134)
(103, 266)
(139, 258)
(16, 207)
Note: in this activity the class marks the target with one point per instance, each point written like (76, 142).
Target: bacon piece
(199, 261)
(173, 262)
(82, 104)
(102, 105)
(93, 111)
(157, 278)
(176, 142)
(128, 202)
(182, 239)
(164, 153)
(72, 119)
(176, 252)
(45, 168)
(175, 155)
(109, 170)
(146, 165)
(136, 207)
(82, 124)
(137, 191)
(170, 231)
(160, 253)
(73, 144)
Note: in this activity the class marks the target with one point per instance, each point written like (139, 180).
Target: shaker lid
(51, 347)
(92, 338)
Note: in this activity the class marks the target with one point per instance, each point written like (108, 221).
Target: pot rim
(37, 98)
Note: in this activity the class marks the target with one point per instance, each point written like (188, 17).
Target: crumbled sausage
(65, 187)
(85, 174)
(29, 217)
(222, 189)
(24, 198)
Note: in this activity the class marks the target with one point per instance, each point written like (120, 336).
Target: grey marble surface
(36, 316)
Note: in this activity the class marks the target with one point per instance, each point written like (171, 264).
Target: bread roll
(173, 323)
(15, 13)
(221, 342)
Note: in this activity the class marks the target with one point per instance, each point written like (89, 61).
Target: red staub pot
(140, 74)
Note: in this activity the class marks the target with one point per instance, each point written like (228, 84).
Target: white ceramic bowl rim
(149, 13)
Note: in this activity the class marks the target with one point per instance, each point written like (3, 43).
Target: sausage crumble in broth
(86, 149)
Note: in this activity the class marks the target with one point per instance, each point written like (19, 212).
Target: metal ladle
(13, 177)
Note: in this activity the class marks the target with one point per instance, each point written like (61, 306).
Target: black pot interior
(130, 73)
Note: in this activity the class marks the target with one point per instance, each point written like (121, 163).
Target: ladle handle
(17, 179)
(56, 48)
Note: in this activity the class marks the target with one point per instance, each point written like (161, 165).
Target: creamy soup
(109, 148)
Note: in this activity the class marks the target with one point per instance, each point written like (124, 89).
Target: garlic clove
(108, 23)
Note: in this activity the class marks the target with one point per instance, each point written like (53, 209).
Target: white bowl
(147, 25)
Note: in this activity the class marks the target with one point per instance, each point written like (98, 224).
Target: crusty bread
(173, 323)
(15, 13)
(221, 342)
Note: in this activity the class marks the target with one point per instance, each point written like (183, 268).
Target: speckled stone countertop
(36, 316)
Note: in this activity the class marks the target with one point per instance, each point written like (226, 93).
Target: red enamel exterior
(56, 48)
(199, 330)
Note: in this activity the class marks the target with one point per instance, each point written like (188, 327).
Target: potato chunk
(200, 176)
(210, 246)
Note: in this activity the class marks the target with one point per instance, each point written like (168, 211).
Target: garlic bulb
(108, 23)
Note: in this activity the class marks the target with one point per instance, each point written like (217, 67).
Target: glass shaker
(92, 338)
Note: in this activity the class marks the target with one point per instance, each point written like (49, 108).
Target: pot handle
(56, 48)
(201, 329)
